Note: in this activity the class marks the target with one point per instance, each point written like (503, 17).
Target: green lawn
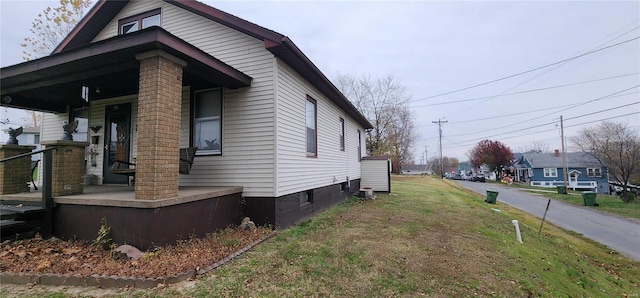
(428, 238)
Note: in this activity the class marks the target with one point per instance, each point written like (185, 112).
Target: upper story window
(594, 172)
(139, 21)
(311, 123)
(207, 121)
(36, 138)
(550, 172)
(341, 134)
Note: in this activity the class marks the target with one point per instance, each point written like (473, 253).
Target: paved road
(617, 233)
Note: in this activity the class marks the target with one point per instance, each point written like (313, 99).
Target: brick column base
(15, 174)
(159, 110)
(68, 167)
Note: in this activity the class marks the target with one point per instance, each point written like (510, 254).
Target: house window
(594, 172)
(306, 197)
(36, 138)
(550, 172)
(359, 145)
(207, 116)
(312, 133)
(139, 21)
(344, 186)
(341, 134)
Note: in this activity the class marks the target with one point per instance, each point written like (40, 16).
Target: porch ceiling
(54, 82)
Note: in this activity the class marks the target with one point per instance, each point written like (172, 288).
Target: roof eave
(293, 56)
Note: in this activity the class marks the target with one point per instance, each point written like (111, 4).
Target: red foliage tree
(490, 153)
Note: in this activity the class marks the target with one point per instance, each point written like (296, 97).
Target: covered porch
(155, 67)
(195, 211)
(152, 66)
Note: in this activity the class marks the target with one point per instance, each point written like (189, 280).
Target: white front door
(573, 179)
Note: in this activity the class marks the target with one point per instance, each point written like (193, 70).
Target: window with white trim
(594, 172)
(207, 121)
(311, 123)
(359, 145)
(139, 21)
(341, 134)
(550, 172)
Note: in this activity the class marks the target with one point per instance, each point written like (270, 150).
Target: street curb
(105, 281)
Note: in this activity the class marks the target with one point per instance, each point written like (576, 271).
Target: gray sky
(436, 47)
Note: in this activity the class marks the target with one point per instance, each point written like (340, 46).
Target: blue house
(545, 170)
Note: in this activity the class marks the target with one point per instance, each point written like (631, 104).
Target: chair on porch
(187, 155)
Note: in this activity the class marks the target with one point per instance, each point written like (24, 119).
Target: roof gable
(281, 46)
(550, 160)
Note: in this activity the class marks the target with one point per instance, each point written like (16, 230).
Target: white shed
(376, 173)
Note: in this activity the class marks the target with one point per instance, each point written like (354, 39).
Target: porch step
(9, 223)
(18, 221)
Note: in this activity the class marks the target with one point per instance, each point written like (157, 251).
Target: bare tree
(383, 101)
(401, 136)
(617, 147)
(51, 26)
(33, 118)
(449, 164)
(535, 147)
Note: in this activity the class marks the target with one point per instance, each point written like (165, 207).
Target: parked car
(456, 176)
(478, 178)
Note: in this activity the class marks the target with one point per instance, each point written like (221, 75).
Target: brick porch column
(159, 102)
(68, 167)
(15, 174)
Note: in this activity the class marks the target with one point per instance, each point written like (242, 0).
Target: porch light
(85, 93)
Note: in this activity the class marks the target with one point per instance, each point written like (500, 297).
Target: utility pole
(564, 155)
(426, 158)
(440, 122)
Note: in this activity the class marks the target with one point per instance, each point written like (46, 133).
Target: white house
(150, 77)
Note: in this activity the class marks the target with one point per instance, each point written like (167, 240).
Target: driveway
(618, 233)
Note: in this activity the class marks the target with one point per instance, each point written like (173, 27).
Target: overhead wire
(471, 141)
(531, 70)
(593, 113)
(525, 91)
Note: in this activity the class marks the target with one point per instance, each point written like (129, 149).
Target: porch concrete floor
(123, 196)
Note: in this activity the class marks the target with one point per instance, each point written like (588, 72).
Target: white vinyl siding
(52, 126)
(248, 115)
(249, 118)
(52, 129)
(295, 171)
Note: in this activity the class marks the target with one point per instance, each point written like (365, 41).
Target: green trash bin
(491, 197)
(562, 190)
(589, 198)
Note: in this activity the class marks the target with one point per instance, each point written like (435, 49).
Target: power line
(531, 70)
(533, 111)
(522, 92)
(572, 106)
(471, 141)
(593, 113)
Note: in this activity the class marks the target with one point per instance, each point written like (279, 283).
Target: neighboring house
(546, 170)
(159, 75)
(414, 170)
(464, 168)
(30, 137)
